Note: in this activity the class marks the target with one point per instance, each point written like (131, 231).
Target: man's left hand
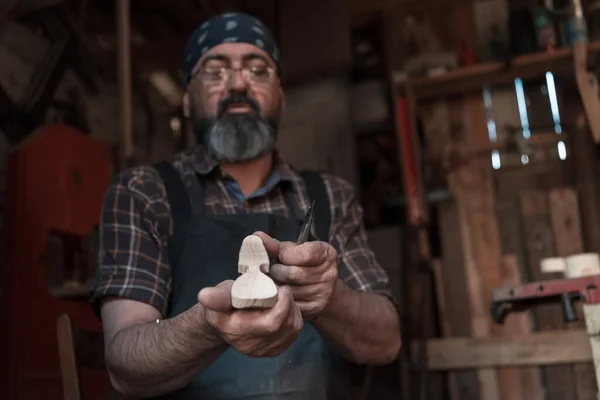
(310, 269)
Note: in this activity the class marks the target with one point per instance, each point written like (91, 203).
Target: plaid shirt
(136, 224)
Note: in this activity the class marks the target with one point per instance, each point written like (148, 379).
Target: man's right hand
(256, 333)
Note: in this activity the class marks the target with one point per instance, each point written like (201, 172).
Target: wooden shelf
(473, 78)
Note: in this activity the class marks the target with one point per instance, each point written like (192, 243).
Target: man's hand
(256, 333)
(309, 269)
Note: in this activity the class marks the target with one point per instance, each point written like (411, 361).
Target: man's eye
(212, 73)
(259, 72)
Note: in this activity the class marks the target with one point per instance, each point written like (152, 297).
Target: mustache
(238, 98)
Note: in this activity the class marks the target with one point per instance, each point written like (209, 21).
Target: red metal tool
(566, 291)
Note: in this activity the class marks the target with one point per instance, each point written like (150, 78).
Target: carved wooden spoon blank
(253, 289)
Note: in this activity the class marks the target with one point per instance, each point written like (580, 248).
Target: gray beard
(236, 137)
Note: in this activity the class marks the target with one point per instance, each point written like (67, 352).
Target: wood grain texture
(469, 188)
(457, 307)
(253, 289)
(539, 241)
(566, 225)
(541, 348)
(444, 322)
(529, 379)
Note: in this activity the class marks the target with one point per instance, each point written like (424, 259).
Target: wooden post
(473, 199)
(539, 240)
(529, 378)
(564, 216)
(592, 320)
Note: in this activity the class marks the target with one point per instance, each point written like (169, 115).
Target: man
(171, 233)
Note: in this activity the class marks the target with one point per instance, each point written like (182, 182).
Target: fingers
(292, 275)
(284, 302)
(270, 321)
(308, 293)
(217, 298)
(306, 254)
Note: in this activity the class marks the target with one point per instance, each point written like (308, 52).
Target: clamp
(586, 289)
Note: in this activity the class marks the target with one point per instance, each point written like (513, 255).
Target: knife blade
(306, 224)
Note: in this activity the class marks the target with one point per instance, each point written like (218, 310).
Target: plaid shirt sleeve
(358, 267)
(134, 227)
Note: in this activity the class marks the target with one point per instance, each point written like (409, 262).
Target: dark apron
(209, 256)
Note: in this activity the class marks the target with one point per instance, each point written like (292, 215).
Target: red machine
(56, 184)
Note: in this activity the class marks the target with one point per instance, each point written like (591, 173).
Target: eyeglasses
(258, 75)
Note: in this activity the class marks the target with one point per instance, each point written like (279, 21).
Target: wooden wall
(495, 229)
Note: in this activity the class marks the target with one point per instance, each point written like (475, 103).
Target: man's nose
(237, 82)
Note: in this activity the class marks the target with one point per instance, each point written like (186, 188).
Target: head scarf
(228, 28)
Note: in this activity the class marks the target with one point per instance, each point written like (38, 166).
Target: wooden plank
(592, 319)
(456, 296)
(444, 322)
(540, 244)
(543, 348)
(564, 216)
(513, 273)
(530, 379)
(467, 187)
(472, 78)
(472, 186)
(512, 183)
(586, 171)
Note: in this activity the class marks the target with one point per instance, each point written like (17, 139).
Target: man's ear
(185, 105)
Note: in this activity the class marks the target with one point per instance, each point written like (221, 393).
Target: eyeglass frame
(227, 74)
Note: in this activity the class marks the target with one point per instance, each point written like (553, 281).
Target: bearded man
(170, 238)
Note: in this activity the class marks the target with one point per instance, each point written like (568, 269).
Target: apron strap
(180, 208)
(196, 194)
(292, 201)
(315, 186)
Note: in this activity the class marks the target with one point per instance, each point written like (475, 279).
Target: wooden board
(512, 183)
(513, 273)
(473, 198)
(539, 243)
(586, 167)
(457, 307)
(445, 323)
(542, 348)
(566, 225)
(529, 379)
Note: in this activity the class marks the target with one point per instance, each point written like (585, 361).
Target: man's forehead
(234, 52)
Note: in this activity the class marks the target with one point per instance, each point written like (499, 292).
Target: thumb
(272, 245)
(217, 298)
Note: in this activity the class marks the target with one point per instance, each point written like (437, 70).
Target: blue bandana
(228, 28)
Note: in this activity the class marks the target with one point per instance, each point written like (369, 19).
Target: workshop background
(460, 123)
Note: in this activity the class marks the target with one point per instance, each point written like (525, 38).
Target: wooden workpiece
(253, 288)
